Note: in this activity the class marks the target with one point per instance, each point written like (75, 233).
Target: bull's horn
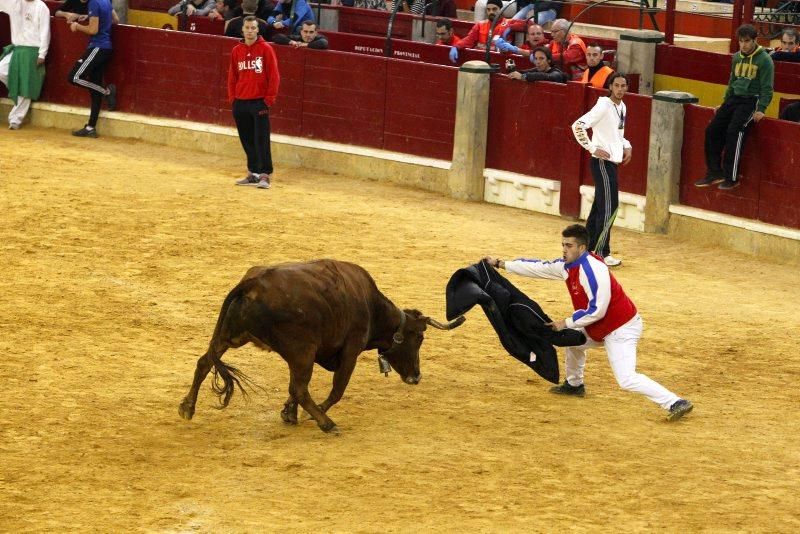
(458, 321)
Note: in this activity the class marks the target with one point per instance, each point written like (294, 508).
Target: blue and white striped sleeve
(596, 282)
(550, 270)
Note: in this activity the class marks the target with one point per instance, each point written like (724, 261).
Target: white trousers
(23, 104)
(620, 347)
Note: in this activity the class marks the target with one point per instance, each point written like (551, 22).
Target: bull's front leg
(341, 377)
(289, 412)
(300, 376)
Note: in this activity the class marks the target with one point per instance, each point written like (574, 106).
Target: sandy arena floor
(116, 256)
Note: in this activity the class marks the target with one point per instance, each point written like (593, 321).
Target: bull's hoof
(330, 428)
(186, 410)
(289, 416)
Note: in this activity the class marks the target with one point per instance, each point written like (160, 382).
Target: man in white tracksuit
(608, 148)
(603, 312)
(22, 63)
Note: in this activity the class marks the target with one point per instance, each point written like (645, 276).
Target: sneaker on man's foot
(263, 182)
(250, 179)
(710, 179)
(86, 132)
(111, 97)
(726, 185)
(13, 126)
(678, 409)
(567, 389)
(611, 261)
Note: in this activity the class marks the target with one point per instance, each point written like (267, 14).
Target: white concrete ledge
(630, 213)
(736, 222)
(521, 191)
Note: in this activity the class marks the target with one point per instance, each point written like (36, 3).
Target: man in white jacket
(22, 62)
(608, 148)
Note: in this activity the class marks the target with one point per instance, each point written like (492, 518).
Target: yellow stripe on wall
(151, 19)
(710, 94)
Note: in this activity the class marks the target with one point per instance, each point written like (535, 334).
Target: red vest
(572, 70)
(483, 29)
(620, 310)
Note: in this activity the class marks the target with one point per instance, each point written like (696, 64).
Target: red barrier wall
(326, 95)
(770, 189)
(373, 22)
(628, 17)
(716, 68)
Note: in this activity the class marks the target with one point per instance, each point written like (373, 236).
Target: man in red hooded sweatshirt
(253, 80)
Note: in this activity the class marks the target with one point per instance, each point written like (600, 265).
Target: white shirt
(30, 23)
(604, 119)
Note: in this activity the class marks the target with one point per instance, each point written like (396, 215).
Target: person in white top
(608, 148)
(22, 62)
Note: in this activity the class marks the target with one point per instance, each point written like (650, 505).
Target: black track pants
(604, 207)
(252, 121)
(727, 131)
(88, 73)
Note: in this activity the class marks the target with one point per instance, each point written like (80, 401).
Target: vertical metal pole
(736, 21)
(749, 10)
(669, 30)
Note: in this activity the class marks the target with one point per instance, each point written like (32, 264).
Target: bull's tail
(227, 377)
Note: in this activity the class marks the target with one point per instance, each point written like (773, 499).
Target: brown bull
(324, 312)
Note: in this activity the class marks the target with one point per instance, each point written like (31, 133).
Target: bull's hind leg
(204, 364)
(300, 376)
(289, 412)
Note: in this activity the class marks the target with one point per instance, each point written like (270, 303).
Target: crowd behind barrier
(409, 107)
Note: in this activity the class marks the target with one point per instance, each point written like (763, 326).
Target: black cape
(518, 320)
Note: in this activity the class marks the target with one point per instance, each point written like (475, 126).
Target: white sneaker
(611, 261)
(13, 126)
(263, 181)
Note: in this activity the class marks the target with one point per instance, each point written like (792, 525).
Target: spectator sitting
(569, 51)
(291, 14)
(444, 33)
(479, 34)
(544, 71)
(371, 4)
(789, 50)
(233, 27)
(309, 37)
(443, 8)
(546, 10)
(223, 10)
(791, 113)
(480, 13)
(534, 39)
(198, 8)
(597, 73)
(73, 11)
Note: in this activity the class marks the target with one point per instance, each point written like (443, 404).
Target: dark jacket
(518, 320)
(552, 75)
(318, 43)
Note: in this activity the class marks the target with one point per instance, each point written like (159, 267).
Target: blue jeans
(543, 18)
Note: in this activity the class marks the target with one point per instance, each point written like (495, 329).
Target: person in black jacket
(309, 37)
(544, 71)
(233, 27)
